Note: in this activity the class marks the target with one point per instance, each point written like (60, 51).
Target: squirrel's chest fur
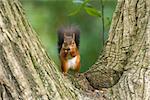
(72, 62)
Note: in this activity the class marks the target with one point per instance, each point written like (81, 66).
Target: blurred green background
(46, 16)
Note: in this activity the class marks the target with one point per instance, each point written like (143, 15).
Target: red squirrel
(68, 48)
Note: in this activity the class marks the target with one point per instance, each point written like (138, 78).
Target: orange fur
(64, 57)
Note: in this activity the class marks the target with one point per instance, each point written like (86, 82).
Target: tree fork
(26, 72)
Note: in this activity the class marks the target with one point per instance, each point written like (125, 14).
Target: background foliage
(46, 16)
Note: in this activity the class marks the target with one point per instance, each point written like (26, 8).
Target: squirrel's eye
(73, 43)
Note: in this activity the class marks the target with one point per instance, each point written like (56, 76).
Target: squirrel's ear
(73, 36)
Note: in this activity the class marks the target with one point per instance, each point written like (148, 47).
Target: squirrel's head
(69, 44)
(68, 38)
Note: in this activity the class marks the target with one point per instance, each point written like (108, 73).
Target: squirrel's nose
(68, 49)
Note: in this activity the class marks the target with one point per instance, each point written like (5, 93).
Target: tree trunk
(124, 66)
(26, 71)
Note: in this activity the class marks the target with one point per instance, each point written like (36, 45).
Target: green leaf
(78, 9)
(92, 11)
(74, 12)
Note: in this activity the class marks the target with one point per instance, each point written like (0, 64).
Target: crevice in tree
(1, 91)
(8, 92)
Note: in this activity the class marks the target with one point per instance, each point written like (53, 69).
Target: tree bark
(121, 72)
(26, 72)
(125, 59)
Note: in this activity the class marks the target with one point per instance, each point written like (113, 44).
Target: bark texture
(26, 72)
(121, 73)
(124, 66)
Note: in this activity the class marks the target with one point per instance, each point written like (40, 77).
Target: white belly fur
(72, 62)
